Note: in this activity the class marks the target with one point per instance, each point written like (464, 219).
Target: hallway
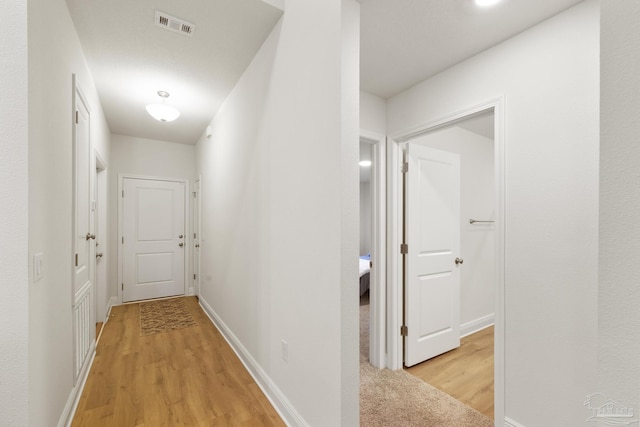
(183, 377)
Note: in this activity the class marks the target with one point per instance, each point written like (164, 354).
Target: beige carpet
(397, 399)
(164, 315)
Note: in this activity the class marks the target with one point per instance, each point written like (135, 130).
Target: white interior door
(432, 288)
(82, 209)
(154, 239)
(83, 305)
(196, 238)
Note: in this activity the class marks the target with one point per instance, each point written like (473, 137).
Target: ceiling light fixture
(163, 112)
(487, 3)
(365, 163)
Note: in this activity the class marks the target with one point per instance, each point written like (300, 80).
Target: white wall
(477, 201)
(549, 77)
(280, 211)
(14, 308)
(373, 113)
(145, 157)
(619, 298)
(54, 55)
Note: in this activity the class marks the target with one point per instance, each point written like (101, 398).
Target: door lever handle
(459, 261)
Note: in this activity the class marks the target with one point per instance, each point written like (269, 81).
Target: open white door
(83, 238)
(154, 240)
(432, 289)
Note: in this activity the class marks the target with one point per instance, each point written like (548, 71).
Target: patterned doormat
(164, 316)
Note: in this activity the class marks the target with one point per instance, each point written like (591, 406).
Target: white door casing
(153, 238)
(432, 290)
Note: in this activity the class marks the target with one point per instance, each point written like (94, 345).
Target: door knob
(180, 236)
(197, 245)
(181, 244)
(90, 236)
(459, 261)
(99, 255)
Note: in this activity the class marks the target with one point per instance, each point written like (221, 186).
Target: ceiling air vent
(174, 24)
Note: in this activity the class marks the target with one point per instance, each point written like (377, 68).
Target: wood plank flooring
(186, 377)
(465, 373)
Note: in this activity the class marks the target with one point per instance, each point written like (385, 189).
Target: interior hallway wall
(549, 78)
(146, 157)
(279, 194)
(14, 306)
(54, 55)
(373, 113)
(477, 241)
(619, 293)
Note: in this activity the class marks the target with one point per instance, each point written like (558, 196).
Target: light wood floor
(187, 377)
(465, 373)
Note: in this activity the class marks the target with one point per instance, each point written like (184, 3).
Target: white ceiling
(402, 43)
(131, 58)
(406, 41)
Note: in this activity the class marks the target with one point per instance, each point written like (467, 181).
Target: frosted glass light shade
(163, 112)
(487, 3)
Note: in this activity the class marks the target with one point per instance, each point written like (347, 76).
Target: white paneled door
(432, 289)
(83, 238)
(154, 239)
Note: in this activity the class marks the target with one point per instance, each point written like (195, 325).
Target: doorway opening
(480, 244)
(450, 265)
(373, 255)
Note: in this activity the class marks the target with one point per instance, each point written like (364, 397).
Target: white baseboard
(510, 423)
(112, 301)
(477, 325)
(74, 397)
(279, 401)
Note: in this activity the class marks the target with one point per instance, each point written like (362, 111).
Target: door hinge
(122, 286)
(76, 116)
(194, 235)
(194, 195)
(404, 249)
(123, 240)
(123, 193)
(405, 167)
(76, 260)
(194, 277)
(404, 331)
(370, 264)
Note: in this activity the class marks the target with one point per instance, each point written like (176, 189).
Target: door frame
(187, 226)
(378, 342)
(101, 224)
(197, 225)
(395, 217)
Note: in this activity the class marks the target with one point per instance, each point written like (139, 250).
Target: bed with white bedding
(365, 274)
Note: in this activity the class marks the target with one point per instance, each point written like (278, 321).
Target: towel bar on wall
(473, 221)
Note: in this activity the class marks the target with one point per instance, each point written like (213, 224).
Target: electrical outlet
(38, 266)
(285, 351)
